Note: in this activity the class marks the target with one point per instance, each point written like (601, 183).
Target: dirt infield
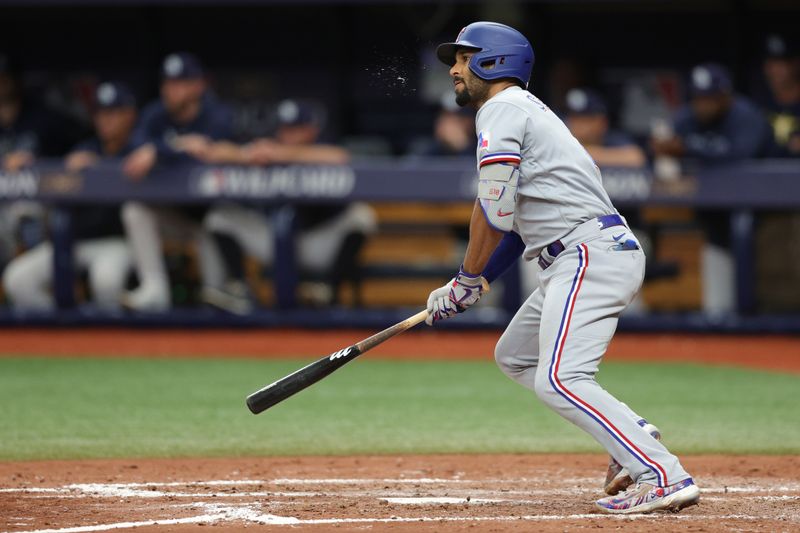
(397, 493)
(780, 353)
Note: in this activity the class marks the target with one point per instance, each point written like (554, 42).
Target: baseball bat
(308, 375)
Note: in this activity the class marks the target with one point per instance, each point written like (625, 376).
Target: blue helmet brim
(446, 52)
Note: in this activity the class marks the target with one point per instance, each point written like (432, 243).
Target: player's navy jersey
(39, 130)
(742, 133)
(95, 221)
(617, 139)
(215, 121)
(15, 138)
(94, 146)
(559, 185)
(30, 131)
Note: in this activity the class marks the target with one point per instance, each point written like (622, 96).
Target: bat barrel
(305, 377)
(308, 375)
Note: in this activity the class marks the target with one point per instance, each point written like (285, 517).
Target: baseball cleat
(617, 476)
(148, 298)
(646, 498)
(233, 297)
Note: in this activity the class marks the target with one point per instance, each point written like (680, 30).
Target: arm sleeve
(505, 255)
(150, 130)
(143, 132)
(501, 130)
(222, 126)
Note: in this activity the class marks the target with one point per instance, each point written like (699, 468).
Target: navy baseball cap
(181, 66)
(296, 113)
(779, 47)
(112, 95)
(709, 79)
(585, 102)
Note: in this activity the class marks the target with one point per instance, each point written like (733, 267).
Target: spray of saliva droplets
(393, 75)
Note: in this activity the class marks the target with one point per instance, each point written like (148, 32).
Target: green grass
(77, 408)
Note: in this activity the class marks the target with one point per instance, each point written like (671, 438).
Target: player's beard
(463, 97)
(474, 94)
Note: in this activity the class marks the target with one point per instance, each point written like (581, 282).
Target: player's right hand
(454, 297)
(197, 146)
(16, 160)
(139, 163)
(262, 152)
(77, 161)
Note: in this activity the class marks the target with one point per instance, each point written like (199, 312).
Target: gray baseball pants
(555, 342)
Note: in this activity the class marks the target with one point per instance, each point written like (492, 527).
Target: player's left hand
(455, 297)
(139, 162)
(197, 146)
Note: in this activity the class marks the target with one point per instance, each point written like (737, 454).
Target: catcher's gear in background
(455, 297)
(501, 51)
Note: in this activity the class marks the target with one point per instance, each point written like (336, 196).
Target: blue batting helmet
(500, 51)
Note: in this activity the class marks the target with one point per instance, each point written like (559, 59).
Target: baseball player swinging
(540, 195)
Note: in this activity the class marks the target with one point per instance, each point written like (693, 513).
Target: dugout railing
(742, 190)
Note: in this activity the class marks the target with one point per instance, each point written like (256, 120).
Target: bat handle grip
(417, 319)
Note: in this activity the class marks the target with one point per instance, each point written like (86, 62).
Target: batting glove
(455, 297)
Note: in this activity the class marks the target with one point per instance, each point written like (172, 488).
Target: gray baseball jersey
(559, 186)
(555, 342)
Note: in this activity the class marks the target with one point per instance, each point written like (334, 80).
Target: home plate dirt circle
(377, 493)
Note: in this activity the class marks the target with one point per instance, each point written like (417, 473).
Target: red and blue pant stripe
(571, 397)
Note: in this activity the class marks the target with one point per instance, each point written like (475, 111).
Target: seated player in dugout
(781, 69)
(717, 125)
(19, 137)
(323, 228)
(100, 248)
(186, 108)
(587, 119)
(21, 222)
(29, 128)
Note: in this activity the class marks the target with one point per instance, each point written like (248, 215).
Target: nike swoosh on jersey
(501, 214)
(618, 237)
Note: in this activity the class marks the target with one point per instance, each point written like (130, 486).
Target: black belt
(555, 248)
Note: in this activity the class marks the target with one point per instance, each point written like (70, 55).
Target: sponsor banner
(296, 181)
(61, 183)
(22, 184)
(626, 185)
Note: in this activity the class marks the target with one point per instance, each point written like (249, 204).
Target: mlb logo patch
(483, 140)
